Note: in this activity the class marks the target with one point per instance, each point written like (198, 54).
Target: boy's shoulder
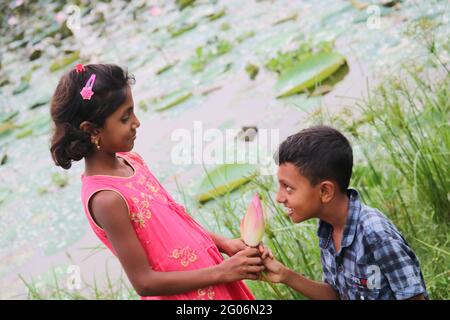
(375, 227)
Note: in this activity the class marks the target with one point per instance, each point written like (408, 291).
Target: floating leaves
(223, 179)
(60, 63)
(60, 180)
(183, 4)
(171, 99)
(212, 50)
(308, 73)
(176, 31)
(252, 70)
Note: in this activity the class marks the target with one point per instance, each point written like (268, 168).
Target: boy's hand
(265, 251)
(274, 270)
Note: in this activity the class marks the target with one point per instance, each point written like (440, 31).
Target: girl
(164, 252)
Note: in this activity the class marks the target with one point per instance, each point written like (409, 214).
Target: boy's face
(119, 131)
(296, 193)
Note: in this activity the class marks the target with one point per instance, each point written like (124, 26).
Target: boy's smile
(296, 193)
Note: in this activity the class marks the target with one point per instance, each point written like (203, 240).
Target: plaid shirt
(374, 261)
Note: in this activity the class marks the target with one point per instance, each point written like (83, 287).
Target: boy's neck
(336, 212)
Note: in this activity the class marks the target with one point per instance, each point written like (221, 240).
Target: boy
(363, 255)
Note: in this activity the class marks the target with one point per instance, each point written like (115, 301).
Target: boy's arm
(311, 289)
(400, 267)
(315, 290)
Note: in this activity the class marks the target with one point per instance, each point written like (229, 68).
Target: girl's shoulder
(132, 155)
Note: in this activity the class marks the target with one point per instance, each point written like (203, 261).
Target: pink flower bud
(252, 225)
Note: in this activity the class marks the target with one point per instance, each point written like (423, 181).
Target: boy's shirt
(374, 261)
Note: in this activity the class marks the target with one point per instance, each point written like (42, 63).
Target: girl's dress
(172, 240)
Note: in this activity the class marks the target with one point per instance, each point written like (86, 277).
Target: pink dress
(172, 240)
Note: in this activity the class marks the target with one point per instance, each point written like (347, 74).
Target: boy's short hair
(320, 153)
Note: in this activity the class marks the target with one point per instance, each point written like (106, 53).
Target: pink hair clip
(87, 92)
(79, 68)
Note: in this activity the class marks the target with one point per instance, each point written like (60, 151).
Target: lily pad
(179, 30)
(182, 4)
(171, 99)
(4, 117)
(40, 101)
(24, 85)
(166, 68)
(37, 126)
(252, 70)
(216, 15)
(6, 128)
(223, 179)
(308, 73)
(62, 62)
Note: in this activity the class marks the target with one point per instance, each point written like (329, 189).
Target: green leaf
(182, 4)
(252, 70)
(223, 179)
(171, 99)
(179, 30)
(40, 101)
(24, 85)
(308, 73)
(216, 15)
(62, 62)
(37, 126)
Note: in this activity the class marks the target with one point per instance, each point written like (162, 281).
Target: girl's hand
(246, 264)
(232, 246)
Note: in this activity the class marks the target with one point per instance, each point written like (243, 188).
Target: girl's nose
(137, 124)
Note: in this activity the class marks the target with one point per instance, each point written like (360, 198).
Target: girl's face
(119, 131)
(302, 201)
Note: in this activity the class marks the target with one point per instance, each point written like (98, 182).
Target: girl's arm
(233, 246)
(110, 212)
(228, 246)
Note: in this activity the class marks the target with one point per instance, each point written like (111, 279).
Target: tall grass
(405, 170)
(53, 286)
(401, 142)
(402, 146)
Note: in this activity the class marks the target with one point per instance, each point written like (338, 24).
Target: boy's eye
(288, 189)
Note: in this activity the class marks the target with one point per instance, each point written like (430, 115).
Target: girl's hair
(68, 109)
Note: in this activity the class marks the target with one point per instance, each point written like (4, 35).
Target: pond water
(42, 224)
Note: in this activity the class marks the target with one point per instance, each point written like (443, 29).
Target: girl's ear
(88, 127)
(327, 191)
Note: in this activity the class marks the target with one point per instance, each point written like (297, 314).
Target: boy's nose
(280, 198)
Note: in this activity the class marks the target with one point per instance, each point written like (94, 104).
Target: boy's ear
(327, 191)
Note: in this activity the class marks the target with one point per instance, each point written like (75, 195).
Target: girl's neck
(101, 162)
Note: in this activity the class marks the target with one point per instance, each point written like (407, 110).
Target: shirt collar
(324, 231)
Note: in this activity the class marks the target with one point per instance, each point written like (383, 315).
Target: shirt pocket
(358, 286)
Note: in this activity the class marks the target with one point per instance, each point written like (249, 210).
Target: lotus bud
(252, 225)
